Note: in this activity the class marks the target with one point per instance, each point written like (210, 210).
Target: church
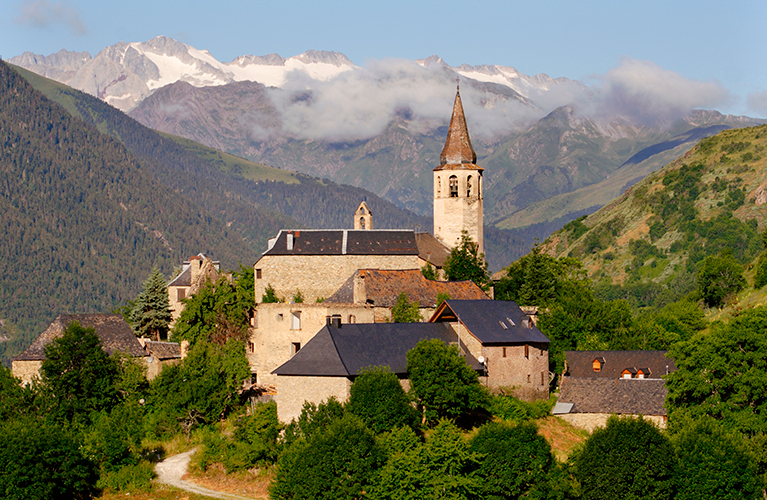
(317, 262)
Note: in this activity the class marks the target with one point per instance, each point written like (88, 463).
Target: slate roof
(579, 363)
(163, 350)
(345, 242)
(492, 322)
(457, 149)
(183, 279)
(112, 330)
(383, 287)
(343, 352)
(431, 249)
(621, 396)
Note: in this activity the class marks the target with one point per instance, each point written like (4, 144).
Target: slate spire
(457, 148)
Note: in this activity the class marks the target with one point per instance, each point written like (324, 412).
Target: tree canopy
(466, 263)
(443, 384)
(377, 397)
(405, 311)
(151, 316)
(719, 278)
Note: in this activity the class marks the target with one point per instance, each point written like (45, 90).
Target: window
(352, 319)
(504, 352)
(362, 223)
(511, 322)
(541, 378)
(439, 187)
(254, 319)
(503, 325)
(251, 347)
(180, 294)
(295, 320)
(528, 378)
(295, 347)
(279, 317)
(453, 186)
(527, 351)
(468, 187)
(258, 274)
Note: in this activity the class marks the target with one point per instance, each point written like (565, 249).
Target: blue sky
(708, 41)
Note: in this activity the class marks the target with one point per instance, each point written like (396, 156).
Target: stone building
(280, 330)
(495, 338)
(363, 217)
(317, 262)
(193, 274)
(380, 289)
(160, 354)
(115, 335)
(597, 384)
(458, 188)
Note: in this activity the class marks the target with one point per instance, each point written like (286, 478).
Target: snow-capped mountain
(125, 73)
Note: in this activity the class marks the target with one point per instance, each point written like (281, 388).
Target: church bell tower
(458, 188)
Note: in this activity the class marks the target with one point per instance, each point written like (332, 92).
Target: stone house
(380, 289)
(161, 354)
(115, 335)
(328, 363)
(597, 384)
(280, 330)
(194, 272)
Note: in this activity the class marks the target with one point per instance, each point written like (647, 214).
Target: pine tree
(151, 313)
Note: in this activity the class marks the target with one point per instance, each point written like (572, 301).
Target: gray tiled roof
(620, 396)
(343, 352)
(163, 350)
(183, 279)
(115, 335)
(486, 319)
(579, 363)
(345, 242)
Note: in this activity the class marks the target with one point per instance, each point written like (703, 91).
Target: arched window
(362, 222)
(352, 319)
(453, 186)
(362, 211)
(468, 187)
(439, 187)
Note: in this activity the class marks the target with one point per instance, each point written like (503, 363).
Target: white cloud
(42, 14)
(359, 104)
(645, 92)
(757, 101)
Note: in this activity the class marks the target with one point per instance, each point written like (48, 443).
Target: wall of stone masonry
(590, 421)
(294, 391)
(319, 276)
(272, 338)
(26, 370)
(453, 215)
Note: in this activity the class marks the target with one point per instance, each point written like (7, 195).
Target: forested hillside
(83, 222)
(654, 239)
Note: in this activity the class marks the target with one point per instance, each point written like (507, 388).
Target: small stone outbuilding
(115, 335)
(597, 384)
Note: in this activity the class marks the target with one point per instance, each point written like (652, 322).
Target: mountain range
(381, 126)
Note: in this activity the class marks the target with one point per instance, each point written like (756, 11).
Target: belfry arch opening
(453, 186)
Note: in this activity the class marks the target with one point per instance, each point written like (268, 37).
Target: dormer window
(453, 186)
(503, 325)
(597, 365)
(626, 373)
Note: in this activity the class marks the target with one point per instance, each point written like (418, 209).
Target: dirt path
(172, 469)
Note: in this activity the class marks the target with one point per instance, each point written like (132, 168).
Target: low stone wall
(590, 421)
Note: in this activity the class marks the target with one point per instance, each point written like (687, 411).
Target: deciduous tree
(405, 311)
(377, 397)
(466, 263)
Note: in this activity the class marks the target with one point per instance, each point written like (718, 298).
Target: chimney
(359, 295)
(336, 321)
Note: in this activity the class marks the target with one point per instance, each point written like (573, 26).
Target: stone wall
(509, 368)
(26, 370)
(590, 421)
(294, 391)
(273, 338)
(319, 276)
(453, 215)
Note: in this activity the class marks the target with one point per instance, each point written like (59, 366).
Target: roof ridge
(335, 346)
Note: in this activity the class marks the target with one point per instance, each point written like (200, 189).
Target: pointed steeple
(457, 148)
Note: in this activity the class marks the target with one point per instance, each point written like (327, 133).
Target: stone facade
(590, 421)
(193, 272)
(279, 330)
(521, 370)
(363, 217)
(318, 276)
(26, 370)
(294, 391)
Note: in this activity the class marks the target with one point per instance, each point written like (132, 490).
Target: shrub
(378, 398)
(130, 478)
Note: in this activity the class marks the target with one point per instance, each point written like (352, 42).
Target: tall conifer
(151, 313)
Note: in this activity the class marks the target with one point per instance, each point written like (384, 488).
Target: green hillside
(83, 220)
(653, 238)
